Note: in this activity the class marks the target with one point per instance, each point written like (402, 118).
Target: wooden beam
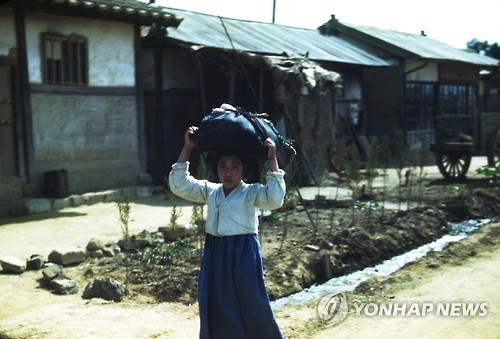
(26, 148)
(139, 93)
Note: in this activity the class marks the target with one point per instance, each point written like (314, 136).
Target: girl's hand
(271, 148)
(187, 137)
(271, 154)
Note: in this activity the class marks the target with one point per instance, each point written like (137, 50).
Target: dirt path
(465, 272)
(449, 277)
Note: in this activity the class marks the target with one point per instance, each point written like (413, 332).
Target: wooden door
(8, 147)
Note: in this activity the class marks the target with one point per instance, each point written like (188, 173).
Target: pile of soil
(308, 243)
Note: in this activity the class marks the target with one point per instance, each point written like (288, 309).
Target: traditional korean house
(71, 95)
(293, 74)
(429, 80)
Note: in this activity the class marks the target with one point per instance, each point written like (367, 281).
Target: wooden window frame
(493, 99)
(420, 98)
(457, 99)
(65, 60)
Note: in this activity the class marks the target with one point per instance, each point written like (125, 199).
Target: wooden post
(25, 113)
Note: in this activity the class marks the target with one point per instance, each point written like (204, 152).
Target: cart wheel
(453, 166)
(494, 153)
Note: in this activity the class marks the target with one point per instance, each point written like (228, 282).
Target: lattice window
(457, 99)
(493, 100)
(65, 60)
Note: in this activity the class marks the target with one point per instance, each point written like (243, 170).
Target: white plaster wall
(7, 31)
(111, 47)
(427, 73)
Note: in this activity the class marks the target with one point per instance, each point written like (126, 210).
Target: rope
(239, 61)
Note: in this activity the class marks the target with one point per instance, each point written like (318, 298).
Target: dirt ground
(307, 244)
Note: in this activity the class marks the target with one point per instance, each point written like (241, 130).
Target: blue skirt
(232, 297)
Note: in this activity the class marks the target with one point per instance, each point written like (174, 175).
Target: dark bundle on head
(230, 129)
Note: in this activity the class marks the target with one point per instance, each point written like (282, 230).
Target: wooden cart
(459, 138)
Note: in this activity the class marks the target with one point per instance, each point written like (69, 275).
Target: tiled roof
(121, 10)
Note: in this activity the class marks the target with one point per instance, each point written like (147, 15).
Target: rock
(67, 256)
(89, 273)
(137, 241)
(38, 206)
(64, 286)
(312, 248)
(96, 254)
(107, 289)
(95, 244)
(343, 202)
(35, 262)
(328, 267)
(111, 249)
(158, 238)
(51, 272)
(320, 199)
(173, 234)
(12, 264)
(326, 244)
(144, 192)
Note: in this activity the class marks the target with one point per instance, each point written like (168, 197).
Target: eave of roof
(267, 38)
(116, 10)
(425, 47)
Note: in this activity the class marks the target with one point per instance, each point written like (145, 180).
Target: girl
(232, 297)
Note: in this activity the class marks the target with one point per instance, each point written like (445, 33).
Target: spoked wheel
(453, 166)
(494, 153)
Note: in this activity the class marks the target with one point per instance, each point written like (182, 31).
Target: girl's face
(230, 172)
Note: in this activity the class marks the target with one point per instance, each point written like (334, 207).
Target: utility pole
(274, 10)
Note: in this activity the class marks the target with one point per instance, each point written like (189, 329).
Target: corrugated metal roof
(131, 10)
(267, 38)
(425, 47)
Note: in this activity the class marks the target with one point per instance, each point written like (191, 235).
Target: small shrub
(491, 172)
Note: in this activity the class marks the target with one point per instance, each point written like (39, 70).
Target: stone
(51, 271)
(312, 248)
(67, 256)
(326, 244)
(64, 286)
(96, 254)
(173, 234)
(35, 262)
(137, 241)
(107, 289)
(328, 267)
(343, 202)
(95, 244)
(59, 204)
(76, 200)
(144, 192)
(111, 249)
(11, 264)
(38, 205)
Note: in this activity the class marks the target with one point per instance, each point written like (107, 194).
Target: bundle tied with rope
(234, 129)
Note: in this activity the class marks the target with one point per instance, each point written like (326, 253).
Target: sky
(454, 22)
